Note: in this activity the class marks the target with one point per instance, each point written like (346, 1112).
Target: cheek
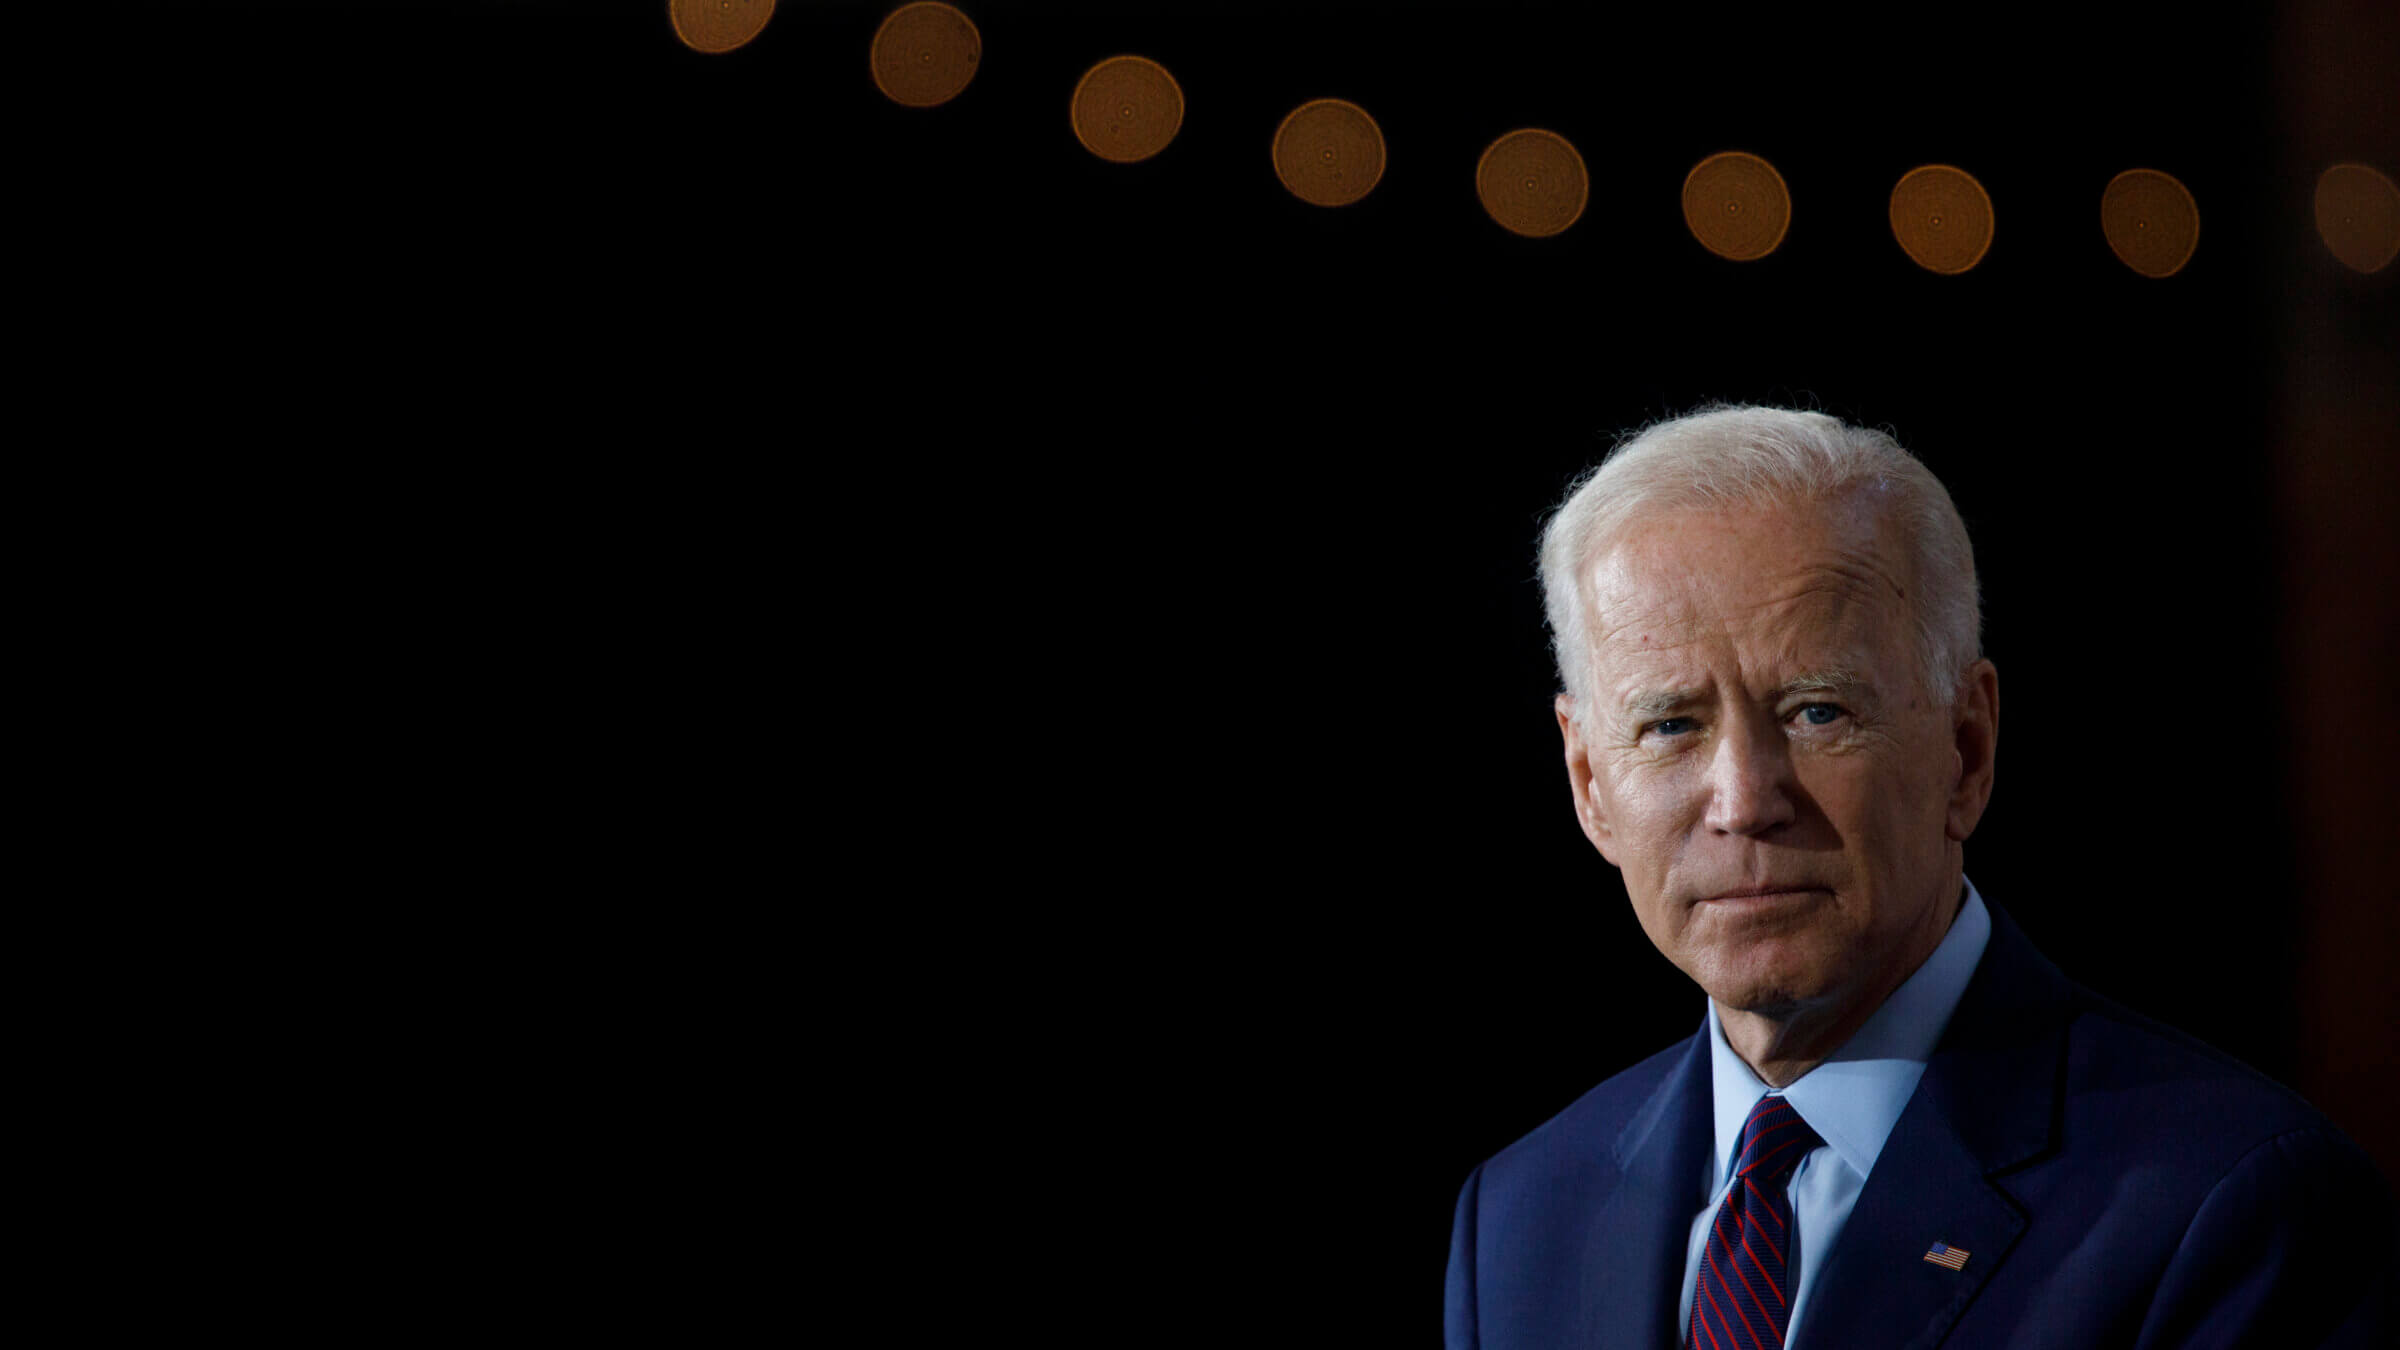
(1662, 923)
(1928, 772)
(1650, 813)
(1886, 809)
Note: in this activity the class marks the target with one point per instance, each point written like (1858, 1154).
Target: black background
(1067, 630)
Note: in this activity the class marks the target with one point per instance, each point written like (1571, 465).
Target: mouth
(1760, 897)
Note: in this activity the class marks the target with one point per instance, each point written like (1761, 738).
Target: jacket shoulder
(1587, 1131)
(2137, 1069)
(2188, 1198)
(2116, 1087)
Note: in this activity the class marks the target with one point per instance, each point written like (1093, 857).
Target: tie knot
(1774, 1140)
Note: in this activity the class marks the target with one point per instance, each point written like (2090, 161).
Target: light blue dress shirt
(1852, 1099)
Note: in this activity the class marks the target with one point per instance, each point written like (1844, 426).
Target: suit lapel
(1633, 1262)
(1983, 1106)
(1878, 1288)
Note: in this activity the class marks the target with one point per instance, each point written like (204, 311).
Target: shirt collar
(1855, 1097)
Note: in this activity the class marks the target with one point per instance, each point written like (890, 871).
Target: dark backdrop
(1068, 629)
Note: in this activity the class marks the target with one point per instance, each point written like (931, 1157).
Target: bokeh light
(1942, 218)
(2358, 216)
(715, 26)
(2151, 221)
(1533, 182)
(1329, 152)
(924, 54)
(1127, 108)
(1736, 205)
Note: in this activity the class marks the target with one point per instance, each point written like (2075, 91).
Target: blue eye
(1673, 726)
(1810, 714)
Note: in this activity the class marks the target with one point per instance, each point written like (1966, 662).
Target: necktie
(1744, 1294)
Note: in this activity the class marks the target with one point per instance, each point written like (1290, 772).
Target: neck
(1782, 1044)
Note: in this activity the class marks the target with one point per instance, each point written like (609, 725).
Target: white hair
(1734, 456)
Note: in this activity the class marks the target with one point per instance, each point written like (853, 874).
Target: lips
(1763, 892)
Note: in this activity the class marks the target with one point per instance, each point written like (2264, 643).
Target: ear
(1579, 777)
(1974, 736)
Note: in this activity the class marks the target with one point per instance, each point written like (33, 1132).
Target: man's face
(1758, 725)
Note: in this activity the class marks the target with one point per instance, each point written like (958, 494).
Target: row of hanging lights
(1533, 182)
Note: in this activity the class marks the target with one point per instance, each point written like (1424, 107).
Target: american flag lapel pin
(1952, 1257)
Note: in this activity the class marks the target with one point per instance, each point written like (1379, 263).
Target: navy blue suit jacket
(2114, 1182)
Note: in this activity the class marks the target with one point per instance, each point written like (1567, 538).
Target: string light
(2358, 216)
(1736, 205)
(718, 26)
(1329, 152)
(2151, 221)
(924, 54)
(1533, 182)
(1942, 218)
(1127, 108)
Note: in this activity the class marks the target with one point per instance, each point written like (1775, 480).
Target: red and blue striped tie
(1743, 1300)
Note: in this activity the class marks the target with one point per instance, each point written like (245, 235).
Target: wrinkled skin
(1759, 723)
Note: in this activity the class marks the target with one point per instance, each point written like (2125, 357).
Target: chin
(1774, 1005)
(1758, 983)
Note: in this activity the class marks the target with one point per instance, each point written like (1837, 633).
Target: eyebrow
(1651, 703)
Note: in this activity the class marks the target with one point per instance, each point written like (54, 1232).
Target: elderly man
(1899, 1124)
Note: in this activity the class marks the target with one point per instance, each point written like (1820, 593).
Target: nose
(1750, 780)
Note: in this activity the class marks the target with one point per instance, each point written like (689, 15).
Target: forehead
(1807, 584)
